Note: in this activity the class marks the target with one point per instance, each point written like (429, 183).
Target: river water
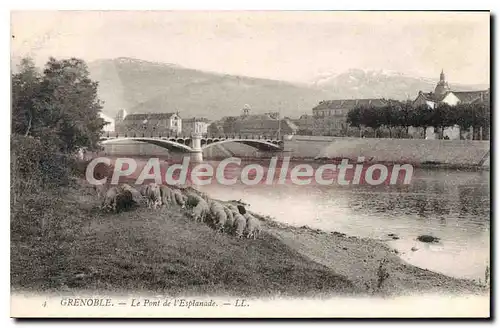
(451, 205)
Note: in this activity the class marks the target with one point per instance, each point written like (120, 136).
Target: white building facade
(443, 94)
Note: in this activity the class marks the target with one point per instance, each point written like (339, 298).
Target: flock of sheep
(228, 218)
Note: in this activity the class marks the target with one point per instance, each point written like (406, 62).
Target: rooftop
(350, 103)
(195, 119)
(149, 116)
(463, 96)
(472, 96)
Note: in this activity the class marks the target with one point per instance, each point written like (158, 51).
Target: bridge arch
(260, 144)
(167, 143)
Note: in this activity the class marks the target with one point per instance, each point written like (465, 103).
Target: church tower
(246, 110)
(442, 86)
(120, 116)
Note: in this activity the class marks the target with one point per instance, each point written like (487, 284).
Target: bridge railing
(114, 135)
(111, 135)
(242, 136)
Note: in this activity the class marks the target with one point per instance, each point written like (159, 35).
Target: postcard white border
(184, 4)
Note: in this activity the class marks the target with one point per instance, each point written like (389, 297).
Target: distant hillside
(141, 86)
(357, 83)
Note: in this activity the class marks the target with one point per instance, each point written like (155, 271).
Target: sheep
(230, 218)
(192, 199)
(179, 198)
(108, 202)
(201, 211)
(153, 195)
(117, 199)
(218, 215)
(241, 209)
(253, 227)
(100, 190)
(123, 201)
(166, 195)
(143, 190)
(239, 225)
(204, 196)
(136, 195)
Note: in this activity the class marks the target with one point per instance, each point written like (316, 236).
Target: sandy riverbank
(364, 260)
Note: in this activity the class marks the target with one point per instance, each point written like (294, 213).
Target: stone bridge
(195, 144)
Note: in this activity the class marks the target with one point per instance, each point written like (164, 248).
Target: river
(451, 205)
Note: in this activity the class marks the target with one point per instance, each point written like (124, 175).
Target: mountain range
(140, 86)
(358, 83)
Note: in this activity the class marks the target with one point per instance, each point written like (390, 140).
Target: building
(195, 125)
(305, 124)
(330, 116)
(150, 123)
(443, 94)
(259, 124)
(110, 126)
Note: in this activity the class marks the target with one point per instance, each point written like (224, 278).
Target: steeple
(442, 77)
(442, 86)
(246, 110)
(120, 116)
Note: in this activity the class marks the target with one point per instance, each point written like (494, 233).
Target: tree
(482, 119)
(25, 89)
(214, 129)
(69, 104)
(371, 117)
(59, 107)
(406, 116)
(423, 117)
(464, 115)
(442, 116)
(389, 116)
(354, 117)
(229, 125)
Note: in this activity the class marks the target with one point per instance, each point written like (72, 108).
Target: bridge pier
(196, 152)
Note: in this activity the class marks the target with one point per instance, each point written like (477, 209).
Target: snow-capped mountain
(359, 83)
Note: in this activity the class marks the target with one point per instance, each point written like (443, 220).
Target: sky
(295, 46)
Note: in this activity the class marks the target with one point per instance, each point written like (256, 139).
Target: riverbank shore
(364, 261)
(64, 243)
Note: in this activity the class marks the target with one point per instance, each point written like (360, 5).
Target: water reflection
(451, 205)
(454, 206)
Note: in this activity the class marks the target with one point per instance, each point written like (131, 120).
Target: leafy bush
(36, 165)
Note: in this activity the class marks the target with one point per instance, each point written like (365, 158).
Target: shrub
(37, 165)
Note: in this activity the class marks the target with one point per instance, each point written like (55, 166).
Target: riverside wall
(465, 153)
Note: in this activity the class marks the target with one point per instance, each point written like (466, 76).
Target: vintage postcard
(250, 164)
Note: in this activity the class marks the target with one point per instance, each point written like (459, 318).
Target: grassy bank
(61, 242)
(146, 250)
